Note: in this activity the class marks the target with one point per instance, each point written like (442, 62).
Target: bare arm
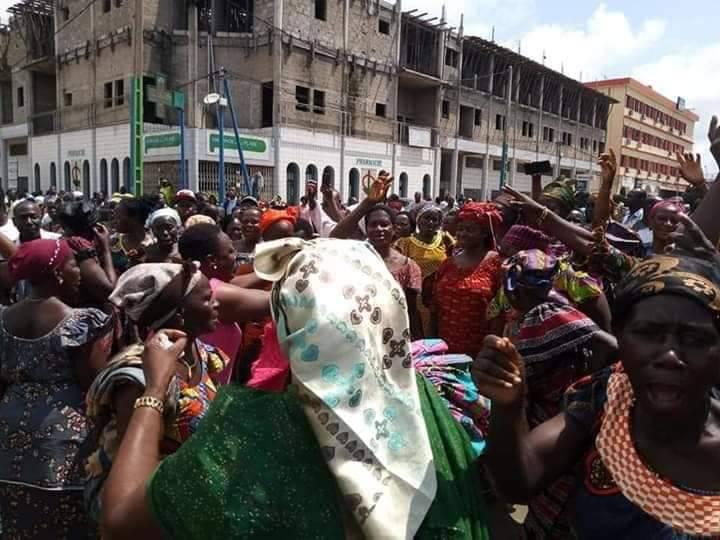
(601, 213)
(7, 247)
(349, 225)
(706, 214)
(242, 305)
(90, 359)
(536, 189)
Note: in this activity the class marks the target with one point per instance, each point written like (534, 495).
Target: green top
(203, 491)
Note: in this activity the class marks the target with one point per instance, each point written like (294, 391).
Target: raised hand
(608, 166)
(691, 168)
(531, 210)
(714, 136)
(379, 188)
(690, 238)
(102, 236)
(499, 372)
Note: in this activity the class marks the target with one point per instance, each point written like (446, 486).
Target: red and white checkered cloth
(687, 512)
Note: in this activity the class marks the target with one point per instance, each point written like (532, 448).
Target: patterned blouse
(462, 296)
(42, 417)
(185, 407)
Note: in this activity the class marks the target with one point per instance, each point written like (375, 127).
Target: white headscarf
(170, 213)
(141, 285)
(342, 322)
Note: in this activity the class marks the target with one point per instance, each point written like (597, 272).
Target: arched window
(354, 191)
(403, 185)
(67, 182)
(87, 190)
(292, 183)
(427, 186)
(115, 175)
(311, 173)
(37, 187)
(328, 179)
(104, 178)
(53, 175)
(127, 176)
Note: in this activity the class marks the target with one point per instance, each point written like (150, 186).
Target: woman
(233, 228)
(404, 225)
(379, 225)
(90, 242)
(467, 282)
(428, 247)
(249, 220)
(367, 446)
(559, 196)
(640, 436)
(49, 354)
(154, 295)
(129, 245)
(165, 226)
(663, 222)
(216, 254)
(276, 224)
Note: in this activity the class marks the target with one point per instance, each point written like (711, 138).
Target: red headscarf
(674, 203)
(34, 261)
(272, 216)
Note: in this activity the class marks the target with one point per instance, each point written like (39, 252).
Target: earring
(59, 278)
(214, 266)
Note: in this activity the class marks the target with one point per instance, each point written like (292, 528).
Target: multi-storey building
(646, 132)
(329, 90)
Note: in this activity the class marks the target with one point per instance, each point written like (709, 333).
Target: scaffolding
(236, 16)
(33, 20)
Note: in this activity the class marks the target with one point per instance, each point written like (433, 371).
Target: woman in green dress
(356, 445)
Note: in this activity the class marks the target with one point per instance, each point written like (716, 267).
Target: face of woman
(403, 228)
(185, 209)
(664, 222)
(470, 234)
(200, 309)
(165, 231)
(70, 274)
(234, 230)
(250, 223)
(379, 229)
(278, 230)
(225, 258)
(429, 223)
(670, 348)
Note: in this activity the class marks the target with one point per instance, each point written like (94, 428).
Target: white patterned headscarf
(342, 322)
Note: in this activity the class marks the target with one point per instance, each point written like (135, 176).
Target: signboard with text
(252, 147)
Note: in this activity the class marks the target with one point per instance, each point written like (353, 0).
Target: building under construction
(328, 90)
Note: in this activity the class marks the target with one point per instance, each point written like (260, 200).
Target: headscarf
(484, 213)
(522, 238)
(142, 284)
(169, 213)
(551, 329)
(342, 322)
(666, 204)
(429, 207)
(272, 216)
(34, 261)
(562, 190)
(695, 276)
(185, 195)
(534, 267)
(197, 219)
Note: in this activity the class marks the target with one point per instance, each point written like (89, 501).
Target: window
(445, 108)
(67, 99)
(65, 14)
(474, 162)
(528, 129)
(451, 57)
(497, 165)
(548, 134)
(594, 146)
(302, 98)
(478, 116)
(119, 3)
(106, 5)
(318, 102)
(108, 94)
(567, 138)
(119, 92)
(321, 10)
(20, 96)
(380, 109)
(499, 122)
(384, 26)
(19, 149)
(601, 147)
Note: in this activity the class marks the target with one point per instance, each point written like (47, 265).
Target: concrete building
(329, 90)
(646, 131)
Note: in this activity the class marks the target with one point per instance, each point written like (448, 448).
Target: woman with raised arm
(641, 437)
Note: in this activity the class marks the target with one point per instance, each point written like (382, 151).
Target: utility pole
(137, 150)
(508, 92)
(458, 108)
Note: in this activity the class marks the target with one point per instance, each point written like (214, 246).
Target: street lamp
(220, 102)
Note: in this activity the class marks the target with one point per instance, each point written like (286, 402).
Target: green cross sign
(160, 95)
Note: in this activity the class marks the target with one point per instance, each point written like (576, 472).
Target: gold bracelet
(543, 216)
(151, 402)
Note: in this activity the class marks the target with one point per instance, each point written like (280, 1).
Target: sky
(672, 46)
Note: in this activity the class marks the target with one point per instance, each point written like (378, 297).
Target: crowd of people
(540, 366)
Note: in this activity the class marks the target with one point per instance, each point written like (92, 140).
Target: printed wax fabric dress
(43, 429)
